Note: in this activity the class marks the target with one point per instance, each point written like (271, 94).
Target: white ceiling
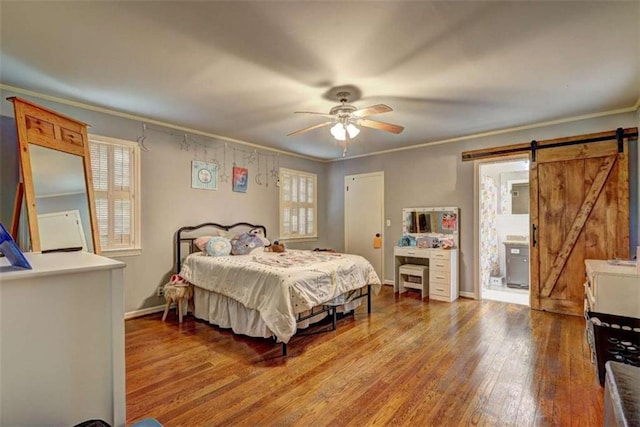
(241, 69)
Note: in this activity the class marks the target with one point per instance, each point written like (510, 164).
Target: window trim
(136, 248)
(305, 238)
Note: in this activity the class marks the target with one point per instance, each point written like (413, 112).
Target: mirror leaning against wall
(56, 178)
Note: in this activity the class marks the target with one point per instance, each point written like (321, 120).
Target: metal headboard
(180, 238)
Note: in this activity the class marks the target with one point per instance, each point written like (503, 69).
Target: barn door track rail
(534, 146)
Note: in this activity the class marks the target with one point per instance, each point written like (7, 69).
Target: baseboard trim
(468, 295)
(143, 312)
(388, 282)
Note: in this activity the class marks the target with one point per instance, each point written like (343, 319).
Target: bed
(267, 294)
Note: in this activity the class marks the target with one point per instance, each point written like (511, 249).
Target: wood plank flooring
(409, 363)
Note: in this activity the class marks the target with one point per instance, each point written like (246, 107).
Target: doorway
(503, 223)
(364, 217)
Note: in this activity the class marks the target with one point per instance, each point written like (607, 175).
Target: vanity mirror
(56, 174)
(437, 223)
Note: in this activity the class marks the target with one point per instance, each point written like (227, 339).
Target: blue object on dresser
(147, 422)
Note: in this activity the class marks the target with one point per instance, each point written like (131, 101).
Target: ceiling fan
(345, 117)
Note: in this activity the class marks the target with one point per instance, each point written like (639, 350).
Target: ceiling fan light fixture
(338, 131)
(353, 130)
(344, 116)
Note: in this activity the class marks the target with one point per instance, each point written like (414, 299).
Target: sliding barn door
(579, 210)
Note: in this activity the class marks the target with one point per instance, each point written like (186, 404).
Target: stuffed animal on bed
(275, 247)
(218, 246)
(244, 243)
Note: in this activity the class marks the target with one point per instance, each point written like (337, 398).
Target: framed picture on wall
(240, 179)
(204, 175)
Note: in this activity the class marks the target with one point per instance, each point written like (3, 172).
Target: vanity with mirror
(56, 189)
(428, 247)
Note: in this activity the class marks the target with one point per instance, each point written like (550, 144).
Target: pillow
(258, 232)
(201, 242)
(218, 246)
(244, 243)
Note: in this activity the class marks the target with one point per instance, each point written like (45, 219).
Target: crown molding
(147, 120)
(498, 132)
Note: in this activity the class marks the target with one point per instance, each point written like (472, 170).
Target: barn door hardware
(620, 137)
(534, 146)
(534, 240)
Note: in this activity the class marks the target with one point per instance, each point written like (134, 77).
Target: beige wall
(436, 176)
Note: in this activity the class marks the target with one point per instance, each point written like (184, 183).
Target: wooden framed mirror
(56, 176)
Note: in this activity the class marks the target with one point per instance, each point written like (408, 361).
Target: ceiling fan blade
(316, 114)
(309, 128)
(388, 127)
(374, 109)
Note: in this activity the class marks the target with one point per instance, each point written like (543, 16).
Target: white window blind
(113, 165)
(298, 205)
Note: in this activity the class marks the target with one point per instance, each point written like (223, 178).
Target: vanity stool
(178, 293)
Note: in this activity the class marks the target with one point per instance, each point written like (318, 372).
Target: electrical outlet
(160, 291)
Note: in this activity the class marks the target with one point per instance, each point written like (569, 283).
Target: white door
(364, 217)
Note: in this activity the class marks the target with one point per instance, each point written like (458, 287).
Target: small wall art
(204, 175)
(449, 220)
(240, 179)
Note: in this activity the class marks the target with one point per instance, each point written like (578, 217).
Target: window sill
(299, 239)
(118, 253)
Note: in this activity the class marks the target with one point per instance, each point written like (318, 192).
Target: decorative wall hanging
(258, 174)
(266, 166)
(204, 175)
(240, 179)
(224, 177)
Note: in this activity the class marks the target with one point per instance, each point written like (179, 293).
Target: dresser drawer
(440, 254)
(436, 276)
(439, 264)
(440, 289)
(412, 252)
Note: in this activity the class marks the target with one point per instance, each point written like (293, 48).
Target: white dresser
(612, 289)
(62, 340)
(442, 265)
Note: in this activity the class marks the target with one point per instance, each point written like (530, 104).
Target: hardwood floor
(409, 363)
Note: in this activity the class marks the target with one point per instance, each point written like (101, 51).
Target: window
(298, 205)
(115, 166)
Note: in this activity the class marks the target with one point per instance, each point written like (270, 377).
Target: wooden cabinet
(442, 265)
(62, 346)
(612, 289)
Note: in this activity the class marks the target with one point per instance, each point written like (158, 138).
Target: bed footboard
(332, 310)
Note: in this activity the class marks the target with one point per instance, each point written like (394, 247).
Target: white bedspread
(280, 285)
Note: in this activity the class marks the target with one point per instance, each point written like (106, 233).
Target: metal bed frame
(180, 240)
